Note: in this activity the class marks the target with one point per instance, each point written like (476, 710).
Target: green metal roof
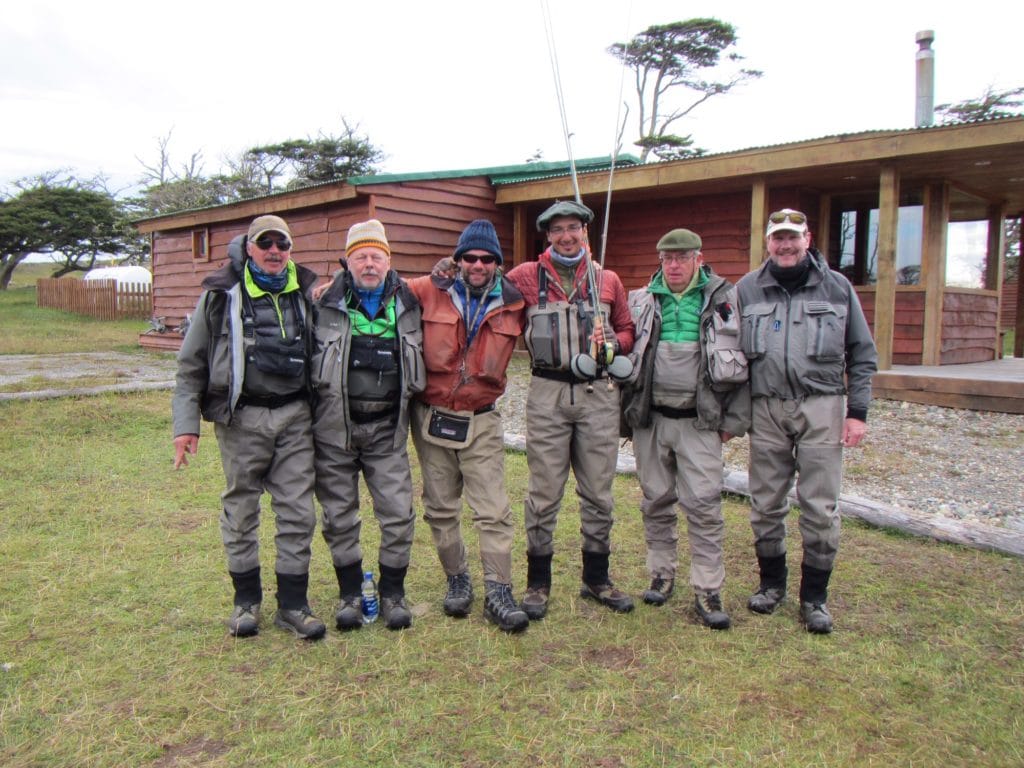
(500, 174)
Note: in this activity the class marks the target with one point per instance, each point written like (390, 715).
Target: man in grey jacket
(808, 345)
(244, 366)
(687, 396)
(367, 363)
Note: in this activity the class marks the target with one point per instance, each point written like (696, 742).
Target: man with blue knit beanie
(686, 398)
(471, 321)
(366, 365)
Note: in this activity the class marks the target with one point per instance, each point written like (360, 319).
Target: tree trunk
(8, 269)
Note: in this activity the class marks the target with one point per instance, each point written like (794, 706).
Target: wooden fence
(102, 299)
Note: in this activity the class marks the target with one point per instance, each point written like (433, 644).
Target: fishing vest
(556, 331)
(374, 381)
(274, 344)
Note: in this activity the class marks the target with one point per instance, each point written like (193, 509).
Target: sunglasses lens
(794, 217)
(264, 243)
(475, 259)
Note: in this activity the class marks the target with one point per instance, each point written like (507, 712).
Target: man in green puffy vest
(686, 398)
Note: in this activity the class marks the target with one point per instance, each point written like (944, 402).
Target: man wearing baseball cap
(244, 365)
(687, 396)
(811, 360)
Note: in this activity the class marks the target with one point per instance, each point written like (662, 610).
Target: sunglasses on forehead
(264, 243)
(469, 259)
(794, 217)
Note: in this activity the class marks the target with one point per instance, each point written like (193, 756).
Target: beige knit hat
(367, 233)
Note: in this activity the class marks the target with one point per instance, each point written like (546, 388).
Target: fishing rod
(602, 354)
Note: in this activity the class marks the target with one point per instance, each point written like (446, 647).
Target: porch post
(885, 289)
(994, 265)
(933, 268)
(758, 218)
(522, 237)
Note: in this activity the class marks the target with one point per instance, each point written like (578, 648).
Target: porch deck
(996, 385)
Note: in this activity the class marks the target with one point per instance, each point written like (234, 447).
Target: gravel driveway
(958, 464)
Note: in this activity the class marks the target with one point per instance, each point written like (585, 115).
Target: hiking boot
(608, 595)
(300, 622)
(660, 591)
(816, 618)
(349, 614)
(766, 599)
(709, 609)
(245, 620)
(460, 595)
(395, 612)
(500, 608)
(535, 602)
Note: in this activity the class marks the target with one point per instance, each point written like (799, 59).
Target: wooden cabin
(885, 207)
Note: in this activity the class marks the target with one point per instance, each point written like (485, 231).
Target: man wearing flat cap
(687, 396)
(811, 359)
(578, 332)
(368, 362)
(244, 365)
(471, 321)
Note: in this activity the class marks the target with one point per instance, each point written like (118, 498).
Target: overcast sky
(91, 86)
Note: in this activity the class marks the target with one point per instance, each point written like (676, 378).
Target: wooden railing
(103, 299)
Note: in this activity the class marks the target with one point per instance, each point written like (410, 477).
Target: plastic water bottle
(370, 604)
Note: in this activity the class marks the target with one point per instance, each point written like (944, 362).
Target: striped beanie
(367, 233)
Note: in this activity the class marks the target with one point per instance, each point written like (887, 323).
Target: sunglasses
(794, 217)
(488, 259)
(282, 243)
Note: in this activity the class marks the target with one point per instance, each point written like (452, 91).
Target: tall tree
(325, 158)
(991, 104)
(61, 216)
(669, 57)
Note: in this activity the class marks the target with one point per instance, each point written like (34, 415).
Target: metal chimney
(925, 105)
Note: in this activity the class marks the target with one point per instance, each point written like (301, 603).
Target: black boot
(393, 609)
(293, 611)
(813, 596)
(245, 618)
(500, 608)
(538, 586)
(349, 614)
(772, 589)
(597, 584)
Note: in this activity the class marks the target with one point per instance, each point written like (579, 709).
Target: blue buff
(268, 282)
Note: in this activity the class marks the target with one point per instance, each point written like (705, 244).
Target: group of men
(311, 388)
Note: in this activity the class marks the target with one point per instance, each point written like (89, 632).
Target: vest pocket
(826, 331)
(758, 320)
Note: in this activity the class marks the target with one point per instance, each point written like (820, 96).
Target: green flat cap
(564, 208)
(680, 240)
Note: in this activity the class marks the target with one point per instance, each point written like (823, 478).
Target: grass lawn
(113, 649)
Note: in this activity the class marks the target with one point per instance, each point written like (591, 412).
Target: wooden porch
(995, 385)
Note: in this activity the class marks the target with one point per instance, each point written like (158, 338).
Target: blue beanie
(479, 235)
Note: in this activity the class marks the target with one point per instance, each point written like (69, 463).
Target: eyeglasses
(470, 259)
(282, 243)
(573, 228)
(680, 258)
(794, 217)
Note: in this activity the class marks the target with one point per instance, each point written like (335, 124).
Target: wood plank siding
(423, 220)
(970, 326)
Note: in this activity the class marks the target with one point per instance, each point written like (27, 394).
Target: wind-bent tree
(991, 104)
(669, 58)
(324, 158)
(62, 217)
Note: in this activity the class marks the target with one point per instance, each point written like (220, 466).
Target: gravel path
(957, 464)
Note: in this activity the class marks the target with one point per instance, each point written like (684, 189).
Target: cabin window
(858, 245)
(966, 254)
(200, 245)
